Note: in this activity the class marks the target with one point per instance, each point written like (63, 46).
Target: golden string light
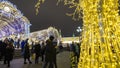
(37, 6)
(90, 52)
(101, 32)
(73, 4)
(77, 15)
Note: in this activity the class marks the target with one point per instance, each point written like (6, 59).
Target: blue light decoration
(12, 20)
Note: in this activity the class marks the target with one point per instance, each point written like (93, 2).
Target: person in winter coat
(26, 53)
(37, 51)
(1, 50)
(4, 45)
(9, 53)
(42, 50)
(22, 45)
(49, 53)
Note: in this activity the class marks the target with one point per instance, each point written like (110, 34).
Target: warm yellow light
(37, 6)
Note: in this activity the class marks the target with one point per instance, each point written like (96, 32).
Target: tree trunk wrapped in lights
(100, 36)
(90, 52)
(101, 32)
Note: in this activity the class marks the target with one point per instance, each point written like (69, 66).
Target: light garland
(89, 56)
(77, 14)
(37, 6)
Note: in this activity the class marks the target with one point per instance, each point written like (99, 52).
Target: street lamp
(79, 29)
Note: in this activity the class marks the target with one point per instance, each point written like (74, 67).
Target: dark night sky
(49, 15)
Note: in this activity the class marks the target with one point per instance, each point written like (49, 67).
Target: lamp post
(79, 29)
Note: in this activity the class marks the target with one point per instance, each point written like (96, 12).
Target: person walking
(37, 50)
(9, 53)
(1, 49)
(54, 54)
(42, 51)
(22, 45)
(26, 53)
(4, 45)
(49, 53)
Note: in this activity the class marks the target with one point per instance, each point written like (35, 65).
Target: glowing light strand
(77, 14)
(37, 6)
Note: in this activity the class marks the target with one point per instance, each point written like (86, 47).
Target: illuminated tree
(101, 32)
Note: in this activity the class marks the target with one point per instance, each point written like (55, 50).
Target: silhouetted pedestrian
(5, 43)
(42, 50)
(22, 45)
(9, 53)
(37, 50)
(49, 53)
(26, 53)
(54, 55)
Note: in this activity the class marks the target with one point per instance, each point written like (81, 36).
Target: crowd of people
(47, 50)
(6, 51)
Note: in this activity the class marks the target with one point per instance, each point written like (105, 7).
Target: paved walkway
(63, 61)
